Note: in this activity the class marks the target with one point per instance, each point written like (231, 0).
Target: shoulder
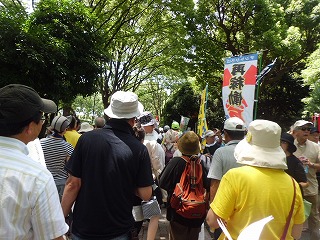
(313, 145)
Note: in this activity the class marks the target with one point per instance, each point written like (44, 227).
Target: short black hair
(235, 135)
(8, 129)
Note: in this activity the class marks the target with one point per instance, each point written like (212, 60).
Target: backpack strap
(195, 169)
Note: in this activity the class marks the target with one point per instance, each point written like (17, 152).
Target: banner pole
(257, 90)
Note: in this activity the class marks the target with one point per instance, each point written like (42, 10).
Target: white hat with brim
(85, 127)
(261, 147)
(124, 105)
(301, 123)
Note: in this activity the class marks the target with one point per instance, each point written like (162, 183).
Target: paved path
(163, 229)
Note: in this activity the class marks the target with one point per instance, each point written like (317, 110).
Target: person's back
(182, 227)
(30, 207)
(107, 166)
(259, 189)
(57, 152)
(257, 193)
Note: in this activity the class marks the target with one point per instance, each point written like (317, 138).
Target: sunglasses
(304, 128)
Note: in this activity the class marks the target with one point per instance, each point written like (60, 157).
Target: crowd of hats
(261, 146)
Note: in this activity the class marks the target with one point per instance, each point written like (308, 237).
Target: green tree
(311, 76)
(54, 50)
(288, 30)
(149, 41)
(184, 102)
(88, 108)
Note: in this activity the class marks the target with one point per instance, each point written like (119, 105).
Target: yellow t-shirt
(72, 137)
(248, 194)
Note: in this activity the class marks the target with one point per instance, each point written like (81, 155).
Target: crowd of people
(104, 181)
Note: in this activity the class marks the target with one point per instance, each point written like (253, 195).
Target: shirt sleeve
(215, 171)
(47, 217)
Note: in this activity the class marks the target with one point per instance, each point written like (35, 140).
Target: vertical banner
(238, 89)
(202, 121)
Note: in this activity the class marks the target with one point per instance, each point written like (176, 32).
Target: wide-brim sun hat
(189, 144)
(261, 146)
(124, 105)
(85, 127)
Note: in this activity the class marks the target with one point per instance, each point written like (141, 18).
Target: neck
(301, 141)
(57, 135)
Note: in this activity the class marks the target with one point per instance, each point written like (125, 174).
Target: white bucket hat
(261, 147)
(124, 105)
(85, 127)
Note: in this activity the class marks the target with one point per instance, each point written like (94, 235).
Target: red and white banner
(239, 81)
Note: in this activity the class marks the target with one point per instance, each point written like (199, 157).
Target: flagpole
(257, 90)
(206, 101)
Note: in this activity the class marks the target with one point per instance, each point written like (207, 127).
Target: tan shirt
(311, 151)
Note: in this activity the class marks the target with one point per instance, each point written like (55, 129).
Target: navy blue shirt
(111, 163)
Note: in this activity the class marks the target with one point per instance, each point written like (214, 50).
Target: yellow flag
(202, 122)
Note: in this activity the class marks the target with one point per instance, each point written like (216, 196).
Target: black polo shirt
(111, 163)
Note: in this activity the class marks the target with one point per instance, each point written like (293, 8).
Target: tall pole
(257, 90)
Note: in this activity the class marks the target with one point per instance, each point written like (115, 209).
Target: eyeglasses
(305, 129)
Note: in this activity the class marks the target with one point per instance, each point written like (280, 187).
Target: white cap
(301, 123)
(234, 124)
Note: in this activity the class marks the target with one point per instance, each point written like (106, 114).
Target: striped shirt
(56, 151)
(29, 201)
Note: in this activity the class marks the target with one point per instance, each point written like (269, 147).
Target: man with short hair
(106, 169)
(308, 152)
(99, 122)
(29, 198)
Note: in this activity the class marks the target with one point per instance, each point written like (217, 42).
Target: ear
(29, 129)
(131, 121)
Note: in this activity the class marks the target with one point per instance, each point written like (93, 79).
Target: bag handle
(285, 231)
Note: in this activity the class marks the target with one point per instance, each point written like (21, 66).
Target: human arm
(296, 231)
(212, 219)
(144, 193)
(70, 194)
(304, 184)
(213, 188)
(59, 238)
(314, 165)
